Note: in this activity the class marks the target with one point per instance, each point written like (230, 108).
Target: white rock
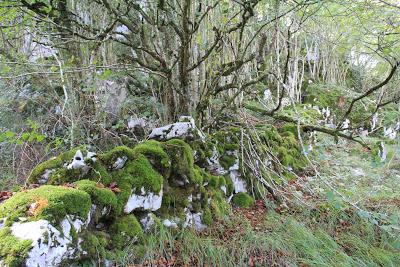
(78, 162)
(238, 183)
(186, 127)
(382, 152)
(49, 246)
(120, 163)
(147, 222)
(194, 219)
(169, 223)
(389, 133)
(223, 188)
(146, 201)
(132, 123)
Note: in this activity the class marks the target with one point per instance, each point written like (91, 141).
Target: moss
(60, 202)
(13, 250)
(99, 173)
(103, 197)
(182, 162)
(125, 230)
(95, 244)
(175, 200)
(140, 173)
(155, 152)
(61, 174)
(242, 200)
(218, 205)
(198, 175)
(229, 185)
(136, 174)
(227, 161)
(118, 152)
(207, 217)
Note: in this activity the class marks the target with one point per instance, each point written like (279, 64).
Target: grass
(282, 240)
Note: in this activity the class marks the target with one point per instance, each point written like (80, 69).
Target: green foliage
(242, 200)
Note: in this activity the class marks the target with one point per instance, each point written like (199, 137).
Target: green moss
(242, 200)
(229, 185)
(103, 197)
(218, 205)
(182, 162)
(154, 151)
(198, 175)
(55, 202)
(13, 250)
(227, 161)
(95, 244)
(207, 217)
(60, 175)
(175, 200)
(118, 152)
(125, 230)
(136, 174)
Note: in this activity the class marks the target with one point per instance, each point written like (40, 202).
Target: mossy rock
(182, 162)
(99, 195)
(13, 250)
(156, 154)
(242, 200)
(125, 230)
(51, 203)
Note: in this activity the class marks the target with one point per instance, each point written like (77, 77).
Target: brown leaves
(113, 187)
(36, 207)
(4, 195)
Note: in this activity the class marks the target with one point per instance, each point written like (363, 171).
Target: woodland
(199, 133)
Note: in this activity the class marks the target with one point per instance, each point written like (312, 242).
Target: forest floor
(328, 230)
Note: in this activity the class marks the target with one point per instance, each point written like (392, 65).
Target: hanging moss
(227, 161)
(95, 244)
(229, 185)
(125, 230)
(53, 204)
(13, 250)
(242, 200)
(182, 163)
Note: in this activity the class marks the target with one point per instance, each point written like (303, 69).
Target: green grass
(284, 240)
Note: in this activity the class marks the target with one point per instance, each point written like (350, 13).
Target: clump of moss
(227, 144)
(182, 162)
(95, 244)
(101, 196)
(218, 206)
(242, 200)
(59, 200)
(136, 174)
(60, 174)
(207, 217)
(13, 250)
(118, 152)
(125, 230)
(155, 152)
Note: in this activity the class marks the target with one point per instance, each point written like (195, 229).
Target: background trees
(81, 69)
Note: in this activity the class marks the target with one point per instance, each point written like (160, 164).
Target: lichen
(60, 202)
(242, 200)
